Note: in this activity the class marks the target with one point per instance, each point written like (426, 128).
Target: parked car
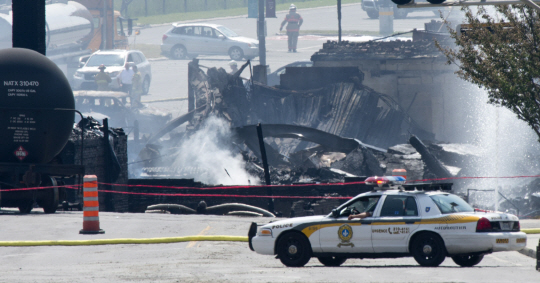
(114, 61)
(372, 9)
(412, 220)
(273, 78)
(189, 40)
(115, 106)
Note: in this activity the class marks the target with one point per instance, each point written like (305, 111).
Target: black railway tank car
(36, 120)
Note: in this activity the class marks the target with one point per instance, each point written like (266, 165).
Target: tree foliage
(500, 53)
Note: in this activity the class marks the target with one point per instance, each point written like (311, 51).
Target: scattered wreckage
(339, 132)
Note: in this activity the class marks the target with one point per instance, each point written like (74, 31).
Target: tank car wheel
(293, 250)
(436, 1)
(467, 260)
(236, 54)
(332, 260)
(50, 198)
(178, 52)
(26, 207)
(146, 85)
(372, 14)
(428, 249)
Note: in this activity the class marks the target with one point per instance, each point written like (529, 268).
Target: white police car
(419, 220)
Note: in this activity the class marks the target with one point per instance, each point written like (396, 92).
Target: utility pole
(339, 19)
(29, 28)
(104, 25)
(262, 39)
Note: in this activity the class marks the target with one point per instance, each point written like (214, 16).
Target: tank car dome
(32, 92)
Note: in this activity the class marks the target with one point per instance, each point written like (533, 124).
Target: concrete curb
(528, 252)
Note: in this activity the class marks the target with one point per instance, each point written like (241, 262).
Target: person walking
(136, 90)
(293, 21)
(102, 79)
(126, 79)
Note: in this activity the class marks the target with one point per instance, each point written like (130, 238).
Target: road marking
(203, 232)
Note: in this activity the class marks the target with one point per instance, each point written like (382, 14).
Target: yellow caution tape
(124, 241)
(531, 231)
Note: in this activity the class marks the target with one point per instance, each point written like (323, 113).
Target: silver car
(114, 61)
(189, 40)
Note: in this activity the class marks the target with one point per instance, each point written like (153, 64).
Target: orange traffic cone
(91, 206)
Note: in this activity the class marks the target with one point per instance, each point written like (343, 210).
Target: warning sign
(21, 153)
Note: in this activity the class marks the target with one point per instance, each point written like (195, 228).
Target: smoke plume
(210, 149)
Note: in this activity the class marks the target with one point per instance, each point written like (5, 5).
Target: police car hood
(292, 222)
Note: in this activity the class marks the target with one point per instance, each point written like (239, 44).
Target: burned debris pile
(398, 49)
(339, 133)
(106, 160)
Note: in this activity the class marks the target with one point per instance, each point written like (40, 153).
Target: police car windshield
(449, 203)
(105, 59)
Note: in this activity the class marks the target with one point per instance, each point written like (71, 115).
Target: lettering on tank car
(282, 226)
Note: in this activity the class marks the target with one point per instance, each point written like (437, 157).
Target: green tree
(500, 53)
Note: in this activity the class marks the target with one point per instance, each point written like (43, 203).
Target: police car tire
(332, 260)
(437, 252)
(467, 260)
(293, 242)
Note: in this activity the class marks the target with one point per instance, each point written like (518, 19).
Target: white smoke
(210, 149)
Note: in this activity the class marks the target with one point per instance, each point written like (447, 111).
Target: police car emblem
(345, 234)
(428, 208)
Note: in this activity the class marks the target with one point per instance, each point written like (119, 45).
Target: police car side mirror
(221, 36)
(335, 213)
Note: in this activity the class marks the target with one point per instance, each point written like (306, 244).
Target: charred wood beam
(173, 124)
(329, 141)
(432, 163)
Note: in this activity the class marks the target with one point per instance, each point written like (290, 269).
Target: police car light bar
(386, 181)
(428, 186)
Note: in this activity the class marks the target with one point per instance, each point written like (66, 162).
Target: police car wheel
(467, 260)
(332, 260)
(428, 249)
(293, 250)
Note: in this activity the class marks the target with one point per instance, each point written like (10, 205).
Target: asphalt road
(170, 76)
(204, 261)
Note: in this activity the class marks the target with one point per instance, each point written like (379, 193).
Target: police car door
(397, 219)
(340, 235)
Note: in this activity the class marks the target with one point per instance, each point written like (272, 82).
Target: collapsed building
(363, 109)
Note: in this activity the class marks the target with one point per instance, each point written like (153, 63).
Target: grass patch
(149, 50)
(177, 17)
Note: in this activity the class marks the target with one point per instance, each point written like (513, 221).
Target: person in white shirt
(126, 79)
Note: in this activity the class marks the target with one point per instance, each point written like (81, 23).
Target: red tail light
(483, 225)
(164, 37)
